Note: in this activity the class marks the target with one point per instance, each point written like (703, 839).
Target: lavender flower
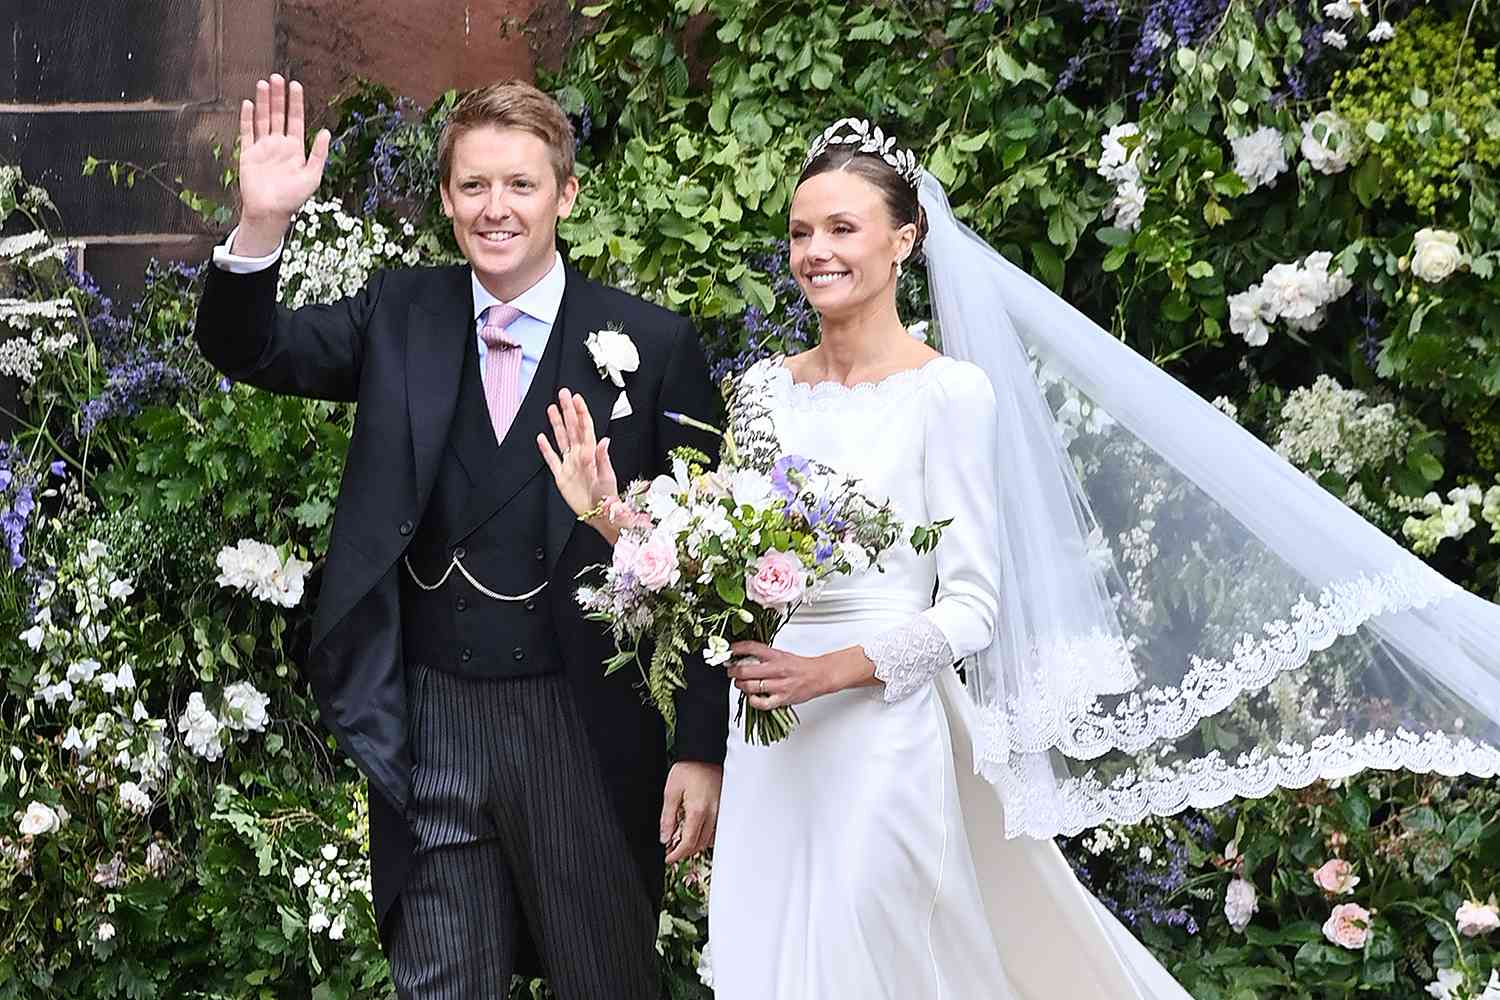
(130, 386)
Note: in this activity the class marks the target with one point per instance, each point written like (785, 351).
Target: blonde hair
(509, 104)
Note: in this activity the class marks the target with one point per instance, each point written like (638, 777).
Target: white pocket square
(622, 408)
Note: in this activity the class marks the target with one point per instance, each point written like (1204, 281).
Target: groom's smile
(504, 197)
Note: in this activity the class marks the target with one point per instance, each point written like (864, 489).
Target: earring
(898, 270)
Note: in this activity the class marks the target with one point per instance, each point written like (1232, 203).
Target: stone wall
(158, 83)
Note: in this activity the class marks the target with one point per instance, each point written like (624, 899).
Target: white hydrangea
(1340, 427)
(245, 708)
(201, 729)
(1330, 144)
(1259, 158)
(256, 568)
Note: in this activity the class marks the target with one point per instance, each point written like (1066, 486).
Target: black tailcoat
(397, 348)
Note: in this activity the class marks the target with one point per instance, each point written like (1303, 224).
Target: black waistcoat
(488, 511)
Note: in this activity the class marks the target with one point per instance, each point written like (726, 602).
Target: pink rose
(1348, 926)
(1336, 877)
(1475, 918)
(656, 563)
(775, 580)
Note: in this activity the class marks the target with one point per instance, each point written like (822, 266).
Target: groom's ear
(567, 196)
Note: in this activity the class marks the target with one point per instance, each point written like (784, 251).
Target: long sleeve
(314, 351)
(961, 483)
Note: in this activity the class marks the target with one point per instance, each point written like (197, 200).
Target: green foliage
(1429, 101)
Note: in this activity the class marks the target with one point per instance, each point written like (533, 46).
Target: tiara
(861, 136)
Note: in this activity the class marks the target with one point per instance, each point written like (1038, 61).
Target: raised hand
(277, 173)
(582, 470)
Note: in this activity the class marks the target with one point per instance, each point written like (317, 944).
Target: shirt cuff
(237, 264)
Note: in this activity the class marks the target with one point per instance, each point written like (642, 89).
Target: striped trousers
(513, 825)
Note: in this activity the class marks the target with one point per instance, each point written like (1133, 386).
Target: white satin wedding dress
(862, 858)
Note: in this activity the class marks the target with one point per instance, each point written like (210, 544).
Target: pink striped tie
(502, 368)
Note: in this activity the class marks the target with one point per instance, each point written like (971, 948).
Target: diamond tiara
(861, 136)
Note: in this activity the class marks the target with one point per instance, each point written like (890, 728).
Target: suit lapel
(581, 315)
(438, 322)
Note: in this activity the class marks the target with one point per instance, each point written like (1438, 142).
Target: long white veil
(1185, 617)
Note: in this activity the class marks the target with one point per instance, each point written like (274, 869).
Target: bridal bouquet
(706, 558)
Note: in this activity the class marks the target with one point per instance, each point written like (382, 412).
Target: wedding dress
(863, 857)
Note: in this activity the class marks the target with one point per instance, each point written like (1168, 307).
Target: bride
(1150, 610)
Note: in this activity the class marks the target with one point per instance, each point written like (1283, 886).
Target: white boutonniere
(614, 354)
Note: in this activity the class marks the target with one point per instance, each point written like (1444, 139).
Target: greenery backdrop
(1291, 206)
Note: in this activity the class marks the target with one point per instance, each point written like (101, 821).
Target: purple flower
(59, 468)
(225, 385)
(5, 478)
(786, 473)
(25, 504)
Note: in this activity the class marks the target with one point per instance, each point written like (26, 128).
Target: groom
(520, 799)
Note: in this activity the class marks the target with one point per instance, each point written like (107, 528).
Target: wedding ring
(762, 691)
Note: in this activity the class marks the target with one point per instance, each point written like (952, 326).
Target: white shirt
(539, 304)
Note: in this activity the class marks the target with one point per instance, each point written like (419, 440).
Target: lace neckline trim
(822, 390)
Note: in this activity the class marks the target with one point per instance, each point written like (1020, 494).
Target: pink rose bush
(709, 557)
(1348, 926)
(1336, 877)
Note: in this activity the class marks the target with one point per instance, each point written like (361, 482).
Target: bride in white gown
(844, 864)
(1124, 565)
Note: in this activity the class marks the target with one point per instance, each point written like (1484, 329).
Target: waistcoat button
(463, 605)
(459, 552)
(530, 604)
(468, 655)
(406, 527)
(541, 554)
(518, 654)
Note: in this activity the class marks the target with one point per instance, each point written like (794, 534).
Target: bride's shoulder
(960, 382)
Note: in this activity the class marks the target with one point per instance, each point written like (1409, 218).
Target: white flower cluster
(243, 711)
(331, 884)
(1340, 428)
(40, 819)
(21, 357)
(1297, 293)
(331, 254)
(1433, 522)
(1349, 10)
(90, 588)
(1121, 165)
(12, 247)
(1330, 144)
(256, 568)
(1260, 157)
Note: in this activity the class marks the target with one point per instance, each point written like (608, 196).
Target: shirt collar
(541, 301)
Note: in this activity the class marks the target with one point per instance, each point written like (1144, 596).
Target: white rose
(1129, 205)
(1240, 903)
(1245, 317)
(38, 819)
(201, 729)
(1475, 918)
(1435, 255)
(245, 707)
(1259, 157)
(1329, 143)
(614, 354)
(1288, 292)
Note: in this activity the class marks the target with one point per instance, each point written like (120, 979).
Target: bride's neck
(860, 341)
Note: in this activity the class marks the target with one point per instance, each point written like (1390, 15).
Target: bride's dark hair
(900, 197)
